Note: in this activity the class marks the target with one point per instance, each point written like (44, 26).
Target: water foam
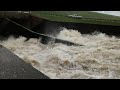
(99, 58)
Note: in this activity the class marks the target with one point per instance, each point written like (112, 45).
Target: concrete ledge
(12, 67)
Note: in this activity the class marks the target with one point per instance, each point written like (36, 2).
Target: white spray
(99, 58)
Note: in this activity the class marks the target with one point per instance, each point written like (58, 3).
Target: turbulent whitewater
(99, 58)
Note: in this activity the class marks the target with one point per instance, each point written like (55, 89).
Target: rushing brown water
(98, 59)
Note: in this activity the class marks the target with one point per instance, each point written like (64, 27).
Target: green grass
(87, 17)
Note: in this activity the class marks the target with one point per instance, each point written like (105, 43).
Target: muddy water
(98, 59)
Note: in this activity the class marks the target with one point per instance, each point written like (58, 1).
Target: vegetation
(86, 17)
